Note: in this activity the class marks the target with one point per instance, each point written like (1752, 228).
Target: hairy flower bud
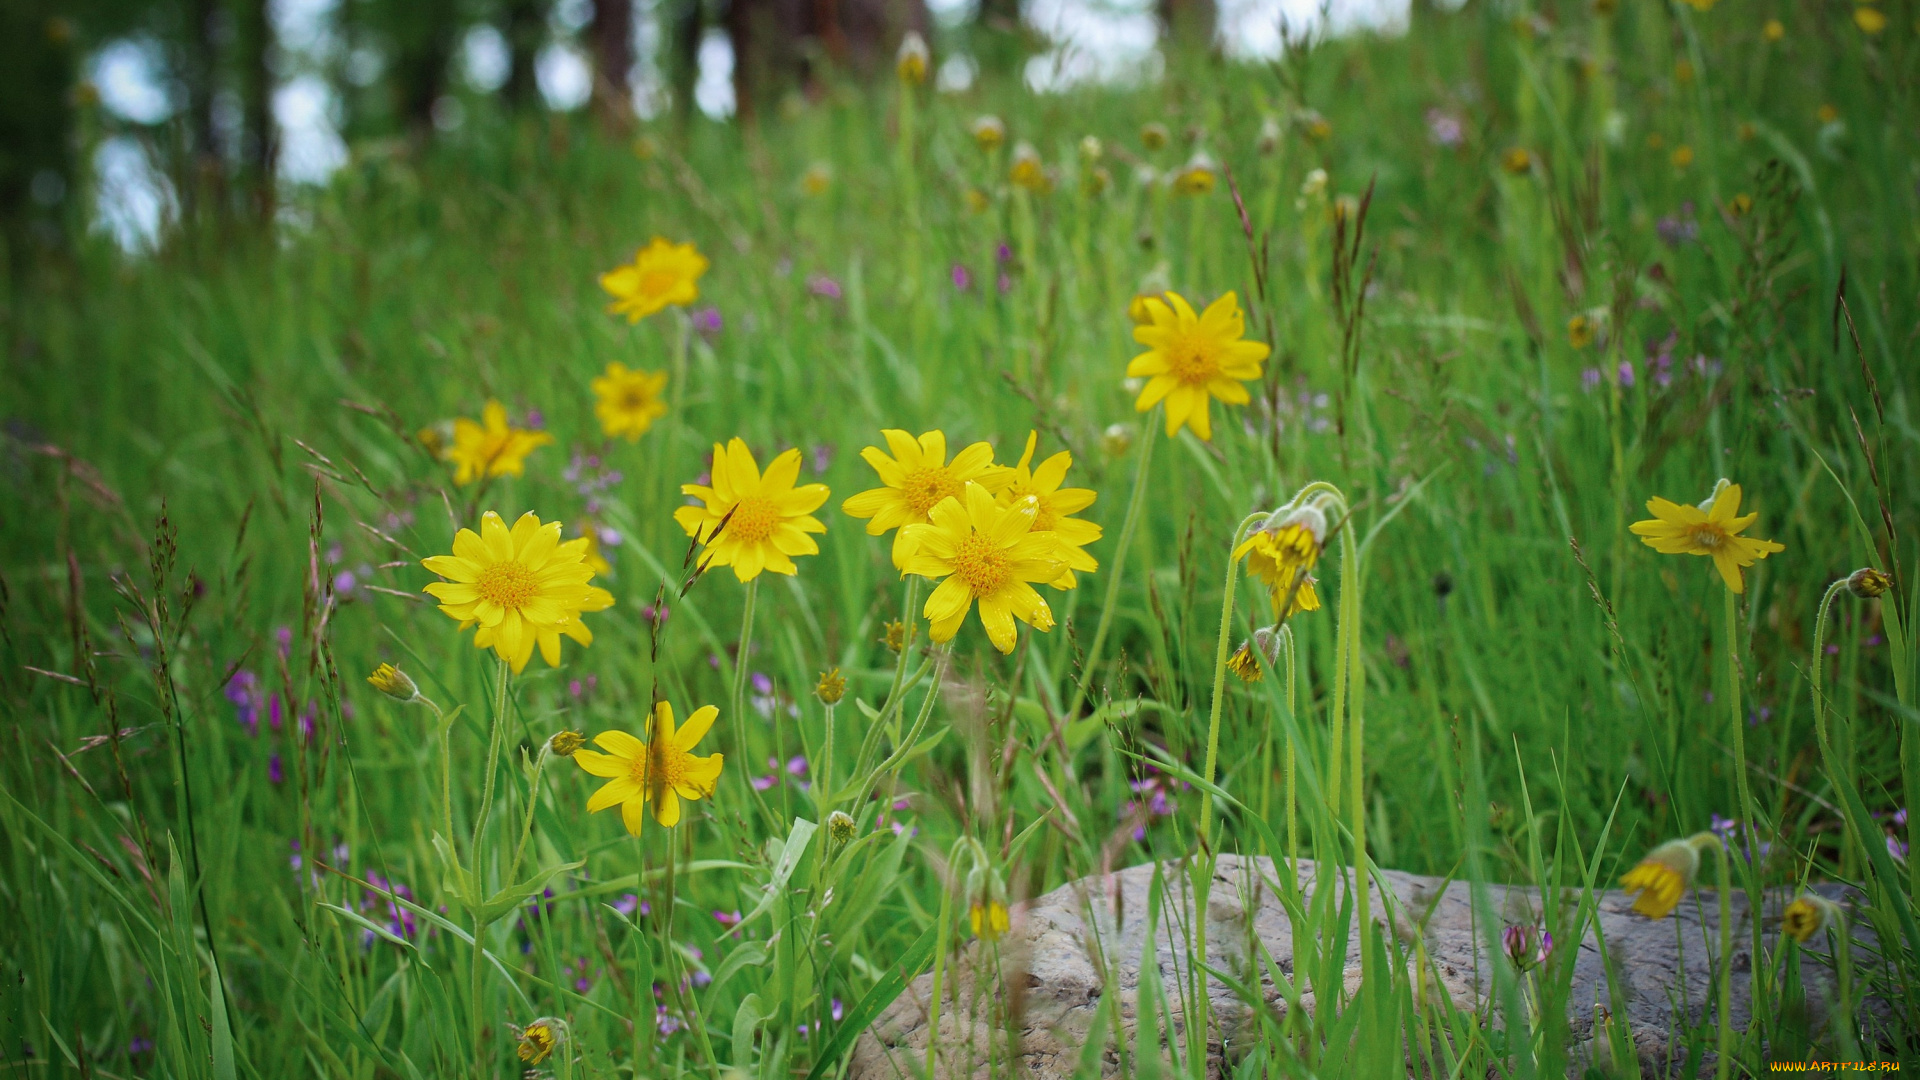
(1867, 583)
(840, 826)
(831, 687)
(564, 743)
(394, 683)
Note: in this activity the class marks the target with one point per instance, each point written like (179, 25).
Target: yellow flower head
(1827, 113)
(1244, 664)
(491, 447)
(1580, 331)
(1054, 507)
(912, 61)
(979, 550)
(538, 1040)
(1808, 915)
(989, 920)
(629, 400)
(1192, 359)
(1027, 170)
(1198, 177)
(1774, 30)
(1518, 161)
(1740, 205)
(1137, 309)
(1662, 878)
(663, 770)
(988, 132)
(917, 477)
(595, 559)
(662, 274)
(1713, 529)
(893, 635)
(816, 180)
(1870, 20)
(1153, 136)
(1682, 156)
(394, 683)
(1280, 554)
(766, 517)
(1867, 582)
(831, 687)
(522, 587)
(565, 743)
(977, 201)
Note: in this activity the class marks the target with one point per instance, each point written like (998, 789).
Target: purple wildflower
(822, 458)
(1445, 128)
(244, 691)
(1626, 374)
(728, 919)
(275, 773)
(962, 277)
(1589, 380)
(708, 321)
(824, 287)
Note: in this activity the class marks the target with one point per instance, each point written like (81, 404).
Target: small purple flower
(1526, 946)
(962, 277)
(283, 638)
(275, 773)
(1900, 818)
(1678, 229)
(1589, 380)
(762, 684)
(822, 458)
(1445, 128)
(631, 903)
(708, 321)
(728, 919)
(294, 860)
(837, 1011)
(140, 1044)
(1002, 254)
(243, 690)
(1003, 282)
(536, 419)
(1897, 848)
(668, 1023)
(797, 765)
(764, 783)
(344, 583)
(824, 287)
(273, 712)
(1626, 374)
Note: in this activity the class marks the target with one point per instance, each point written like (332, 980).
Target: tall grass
(1502, 685)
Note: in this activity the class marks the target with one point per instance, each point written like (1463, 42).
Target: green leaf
(783, 866)
(747, 1018)
(875, 1002)
(222, 1034)
(749, 954)
(513, 895)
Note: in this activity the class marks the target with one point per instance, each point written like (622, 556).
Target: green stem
(473, 986)
(1115, 574)
(1725, 977)
(739, 725)
(499, 724)
(1350, 587)
(526, 824)
(1293, 834)
(1752, 823)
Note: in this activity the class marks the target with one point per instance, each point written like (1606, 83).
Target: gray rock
(1049, 969)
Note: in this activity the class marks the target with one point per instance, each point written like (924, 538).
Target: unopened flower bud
(1808, 915)
(895, 637)
(1867, 583)
(564, 743)
(394, 683)
(988, 131)
(913, 59)
(840, 826)
(831, 687)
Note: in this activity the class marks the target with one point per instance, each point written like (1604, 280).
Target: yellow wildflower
(979, 550)
(893, 635)
(1713, 529)
(663, 770)
(1243, 664)
(522, 587)
(394, 683)
(816, 180)
(1027, 170)
(988, 132)
(1808, 915)
(1828, 114)
(989, 920)
(594, 558)
(1054, 506)
(841, 827)
(538, 1039)
(916, 478)
(911, 62)
(831, 687)
(1740, 205)
(1313, 125)
(1153, 136)
(1663, 877)
(1280, 554)
(1580, 331)
(1198, 177)
(1192, 359)
(977, 201)
(1867, 583)
(766, 517)
(1682, 156)
(1870, 20)
(565, 743)
(492, 447)
(1774, 30)
(629, 400)
(1518, 161)
(661, 275)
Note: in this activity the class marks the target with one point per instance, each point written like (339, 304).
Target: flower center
(635, 398)
(509, 584)
(754, 518)
(1192, 358)
(980, 564)
(657, 282)
(1708, 535)
(924, 488)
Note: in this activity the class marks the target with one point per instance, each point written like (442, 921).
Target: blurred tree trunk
(38, 52)
(526, 32)
(1189, 24)
(685, 27)
(612, 32)
(999, 36)
(766, 36)
(423, 32)
(779, 45)
(260, 141)
(202, 186)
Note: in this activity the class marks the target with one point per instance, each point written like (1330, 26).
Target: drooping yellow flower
(629, 400)
(1191, 359)
(661, 274)
(917, 477)
(538, 1040)
(1808, 915)
(1713, 529)
(1663, 877)
(912, 61)
(1517, 161)
(662, 770)
(1867, 582)
(492, 447)
(766, 517)
(1243, 664)
(1054, 507)
(394, 683)
(522, 587)
(1280, 554)
(988, 132)
(979, 550)
(989, 920)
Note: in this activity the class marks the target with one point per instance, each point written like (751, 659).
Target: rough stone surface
(1048, 971)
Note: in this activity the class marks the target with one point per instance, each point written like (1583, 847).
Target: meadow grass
(219, 500)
